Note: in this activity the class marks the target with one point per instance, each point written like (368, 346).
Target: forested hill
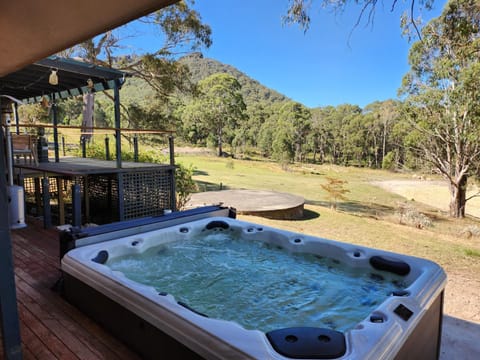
(253, 91)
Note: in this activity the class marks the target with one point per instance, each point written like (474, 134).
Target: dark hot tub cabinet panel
(405, 326)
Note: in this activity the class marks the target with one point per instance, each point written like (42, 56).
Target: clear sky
(328, 65)
(331, 64)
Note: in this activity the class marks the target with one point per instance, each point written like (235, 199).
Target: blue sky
(328, 65)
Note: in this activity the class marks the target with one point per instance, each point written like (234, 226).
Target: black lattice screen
(146, 192)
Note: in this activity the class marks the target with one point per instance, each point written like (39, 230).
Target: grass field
(370, 216)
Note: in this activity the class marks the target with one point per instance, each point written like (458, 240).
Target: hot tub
(372, 304)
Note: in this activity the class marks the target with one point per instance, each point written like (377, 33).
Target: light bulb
(53, 78)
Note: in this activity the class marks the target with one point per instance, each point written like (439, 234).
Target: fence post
(107, 148)
(135, 148)
(83, 144)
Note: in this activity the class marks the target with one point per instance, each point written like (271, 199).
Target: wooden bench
(24, 145)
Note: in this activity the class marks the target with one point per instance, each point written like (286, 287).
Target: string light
(53, 78)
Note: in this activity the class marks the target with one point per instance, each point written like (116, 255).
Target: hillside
(253, 91)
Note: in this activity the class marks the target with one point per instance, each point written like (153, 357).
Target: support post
(47, 211)
(107, 148)
(83, 145)
(10, 324)
(76, 205)
(55, 130)
(173, 191)
(121, 199)
(135, 148)
(61, 202)
(17, 125)
(171, 150)
(118, 135)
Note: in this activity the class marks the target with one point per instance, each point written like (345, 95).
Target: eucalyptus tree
(247, 134)
(295, 119)
(340, 131)
(218, 109)
(318, 138)
(179, 29)
(380, 118)
(443, 103)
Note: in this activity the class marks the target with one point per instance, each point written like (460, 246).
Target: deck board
(50, 327)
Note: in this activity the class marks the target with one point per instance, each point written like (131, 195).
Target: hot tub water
(258, 285)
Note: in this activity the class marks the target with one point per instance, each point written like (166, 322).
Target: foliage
(34, 113)
(409, 215)
(299, 11)
(471, 230)
(182, 32)
(184, 185)
(253, 92)
(443, 103)
(295, 119)
(218, 109)
(335, 190)
(388, 162)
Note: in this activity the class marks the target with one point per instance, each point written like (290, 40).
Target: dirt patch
(433, 193)
(461, 292)
(187, 150)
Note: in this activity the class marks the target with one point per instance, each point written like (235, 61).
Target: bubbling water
(257, 285)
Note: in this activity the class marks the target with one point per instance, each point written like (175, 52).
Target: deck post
(118, 149)
(121, 199)
(135, 148)
(83, 145)
(173, 190)
(55, 130)
(107, 148)
(171, 150)
(47, 211)
(76, 205)
(17, 125)
(10, 324)
(118, 135)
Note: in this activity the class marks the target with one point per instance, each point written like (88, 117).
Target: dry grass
(370, 216)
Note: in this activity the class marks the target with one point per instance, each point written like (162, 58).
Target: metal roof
(31, 83)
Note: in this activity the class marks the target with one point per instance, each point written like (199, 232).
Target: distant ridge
(253, 91)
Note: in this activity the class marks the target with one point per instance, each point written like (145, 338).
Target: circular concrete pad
(269, 204)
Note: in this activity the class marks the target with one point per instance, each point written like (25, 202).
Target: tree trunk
(220, 144)
(458, 195)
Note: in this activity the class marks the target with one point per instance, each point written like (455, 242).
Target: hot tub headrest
(308, 343)
(101, 257)
(217, 224)
(392, 265)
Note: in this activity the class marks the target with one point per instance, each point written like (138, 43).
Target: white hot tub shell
(407, 325)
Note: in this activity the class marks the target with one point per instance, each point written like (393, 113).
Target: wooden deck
(50, 327)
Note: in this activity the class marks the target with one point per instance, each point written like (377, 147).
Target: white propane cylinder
(16, 207)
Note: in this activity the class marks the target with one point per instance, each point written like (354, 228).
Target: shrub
(470, 231)
(408, 215)
(336, 191)
(184, 185)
